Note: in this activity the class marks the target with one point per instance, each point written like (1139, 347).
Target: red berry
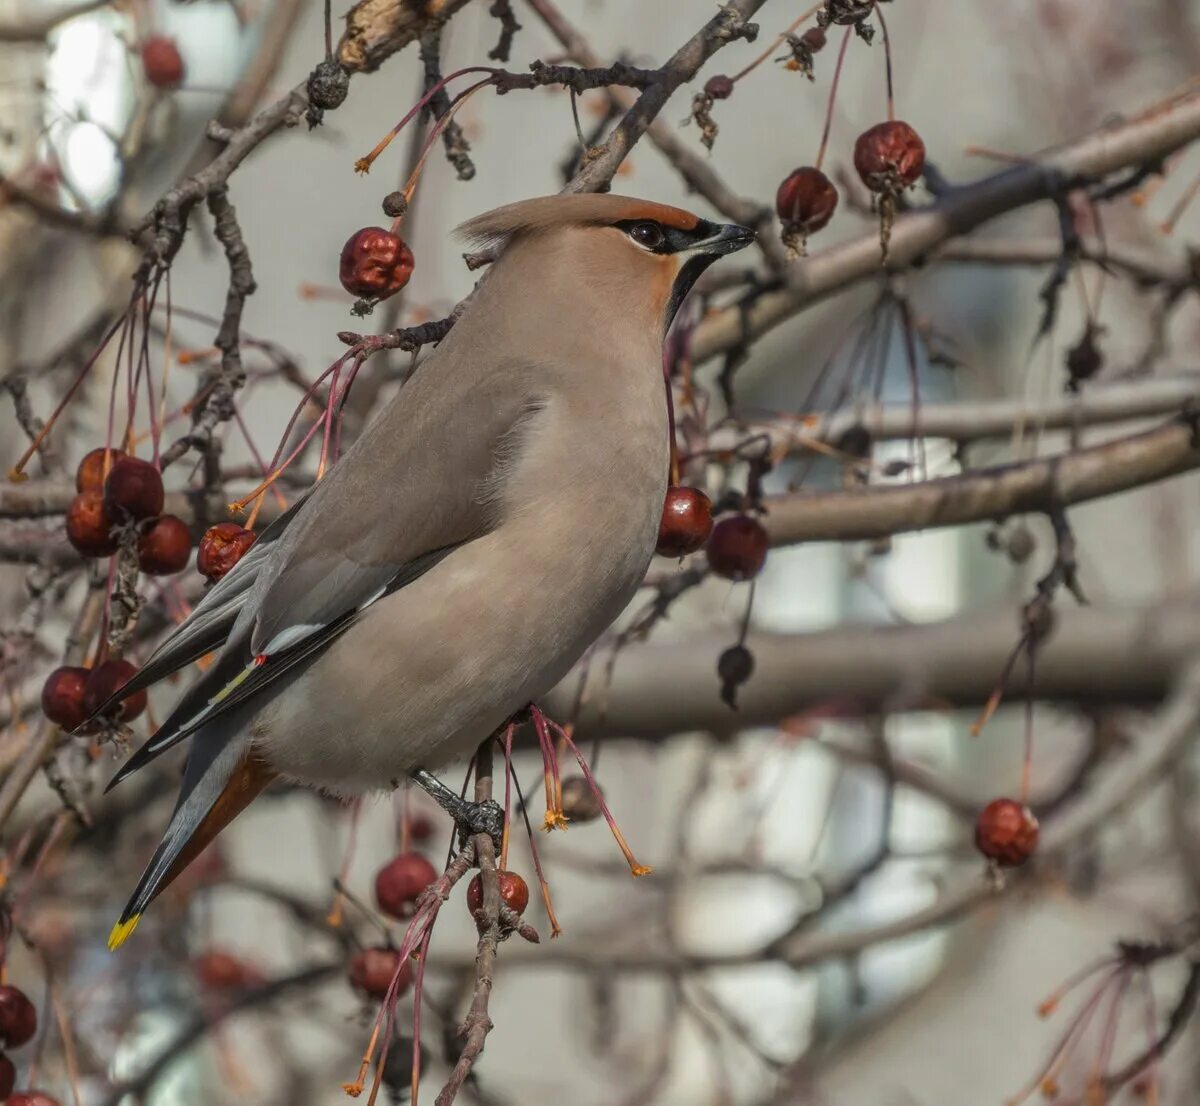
(400, 881)
(62, 697)
(806, 201)
(89, 527)
(164, 548)
(1006, 832)
(89, 477)
(375, 263)
(222, 547)
(719, 87)
(133, 489)
(686, 522)
(222, 971)
(514, 892)
(30, 1098)
(889, 157)
(18, 1017)
(161, 62)
(371, 971)
(8, 1076)
(420, 827)
(737, 548)
(107, 679)
(579, 802)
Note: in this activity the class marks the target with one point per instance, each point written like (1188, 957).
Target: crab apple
(8, 1076)
(814, 39)
(371, 971)
(62, 697)
(106, 680)
(165, 547)
(30, 1098)
(737, 547)
(580, 803)
(686, 522)
(514, 892)
(222, 547)
(133, 489)
(18, 1017)
(162, 63)
(218, 970)
(719, 87)
(805, 202)
(1006, 832)
(375, 263)
(90, 527)
(399, 882)
(889, 157)
(89, 477)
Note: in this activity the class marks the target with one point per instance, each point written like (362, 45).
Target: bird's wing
(411, 491)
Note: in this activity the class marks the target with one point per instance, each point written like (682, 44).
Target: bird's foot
(470, 817)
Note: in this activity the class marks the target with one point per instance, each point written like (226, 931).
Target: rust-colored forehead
(659, 213)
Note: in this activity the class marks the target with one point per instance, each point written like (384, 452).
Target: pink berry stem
(837, 74)
(887, 62)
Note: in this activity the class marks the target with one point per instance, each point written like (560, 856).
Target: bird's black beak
(728, 238)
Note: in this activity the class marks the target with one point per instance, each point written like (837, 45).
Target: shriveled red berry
(814, 39)
(89, 526)
(400, 881)
(30, 1098)
(514, 892)
(218, 970)
(8, 1076)
(89, 477)
(106, 680)
(805, 202)
(371, 972)
(222, 547)
(737, 547)
(889, 157)
(133, 489)
(375, 263)
(579, 802)
(62, 696)
(161, 62)
(18, 1017)
(165, 547)
(686, 522)
(1006, 832)
(719, 87)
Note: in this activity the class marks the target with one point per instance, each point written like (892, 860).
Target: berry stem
(837, 73)
(543, 885)
(776, 43)
(508, 779)
(887, 63)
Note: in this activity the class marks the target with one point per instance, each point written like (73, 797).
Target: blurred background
(739, 971)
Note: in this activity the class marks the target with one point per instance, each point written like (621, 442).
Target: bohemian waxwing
(487, 526)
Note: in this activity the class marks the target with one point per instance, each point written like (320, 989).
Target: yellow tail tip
(121, 932)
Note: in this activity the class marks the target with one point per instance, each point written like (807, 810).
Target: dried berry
(1020, 544)
(62, 697)
(8, 1076)
(18, 1017)
(395, 204)
(814, 38)
(89, 527)
(719, 87)
(1084, 359)
(805, 202)
(161, 62)
(734, 667)
(514, 892)
(327, 86)
(165, 547)
(375, 263)
(372, 970)
(104, 682)
(1006, 832)
(217, 970)
(397, 1068)
(580, 803)
(889, 157)
(686, 522)
(399, 882)
(222, 547)
(737, 547)
(133, 490)
(89, 477)
(801, 51)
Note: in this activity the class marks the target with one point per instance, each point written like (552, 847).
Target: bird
(483, 531)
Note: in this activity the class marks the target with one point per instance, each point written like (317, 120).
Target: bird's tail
(222, 776)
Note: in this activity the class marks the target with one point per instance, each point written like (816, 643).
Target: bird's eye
(649, 235)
